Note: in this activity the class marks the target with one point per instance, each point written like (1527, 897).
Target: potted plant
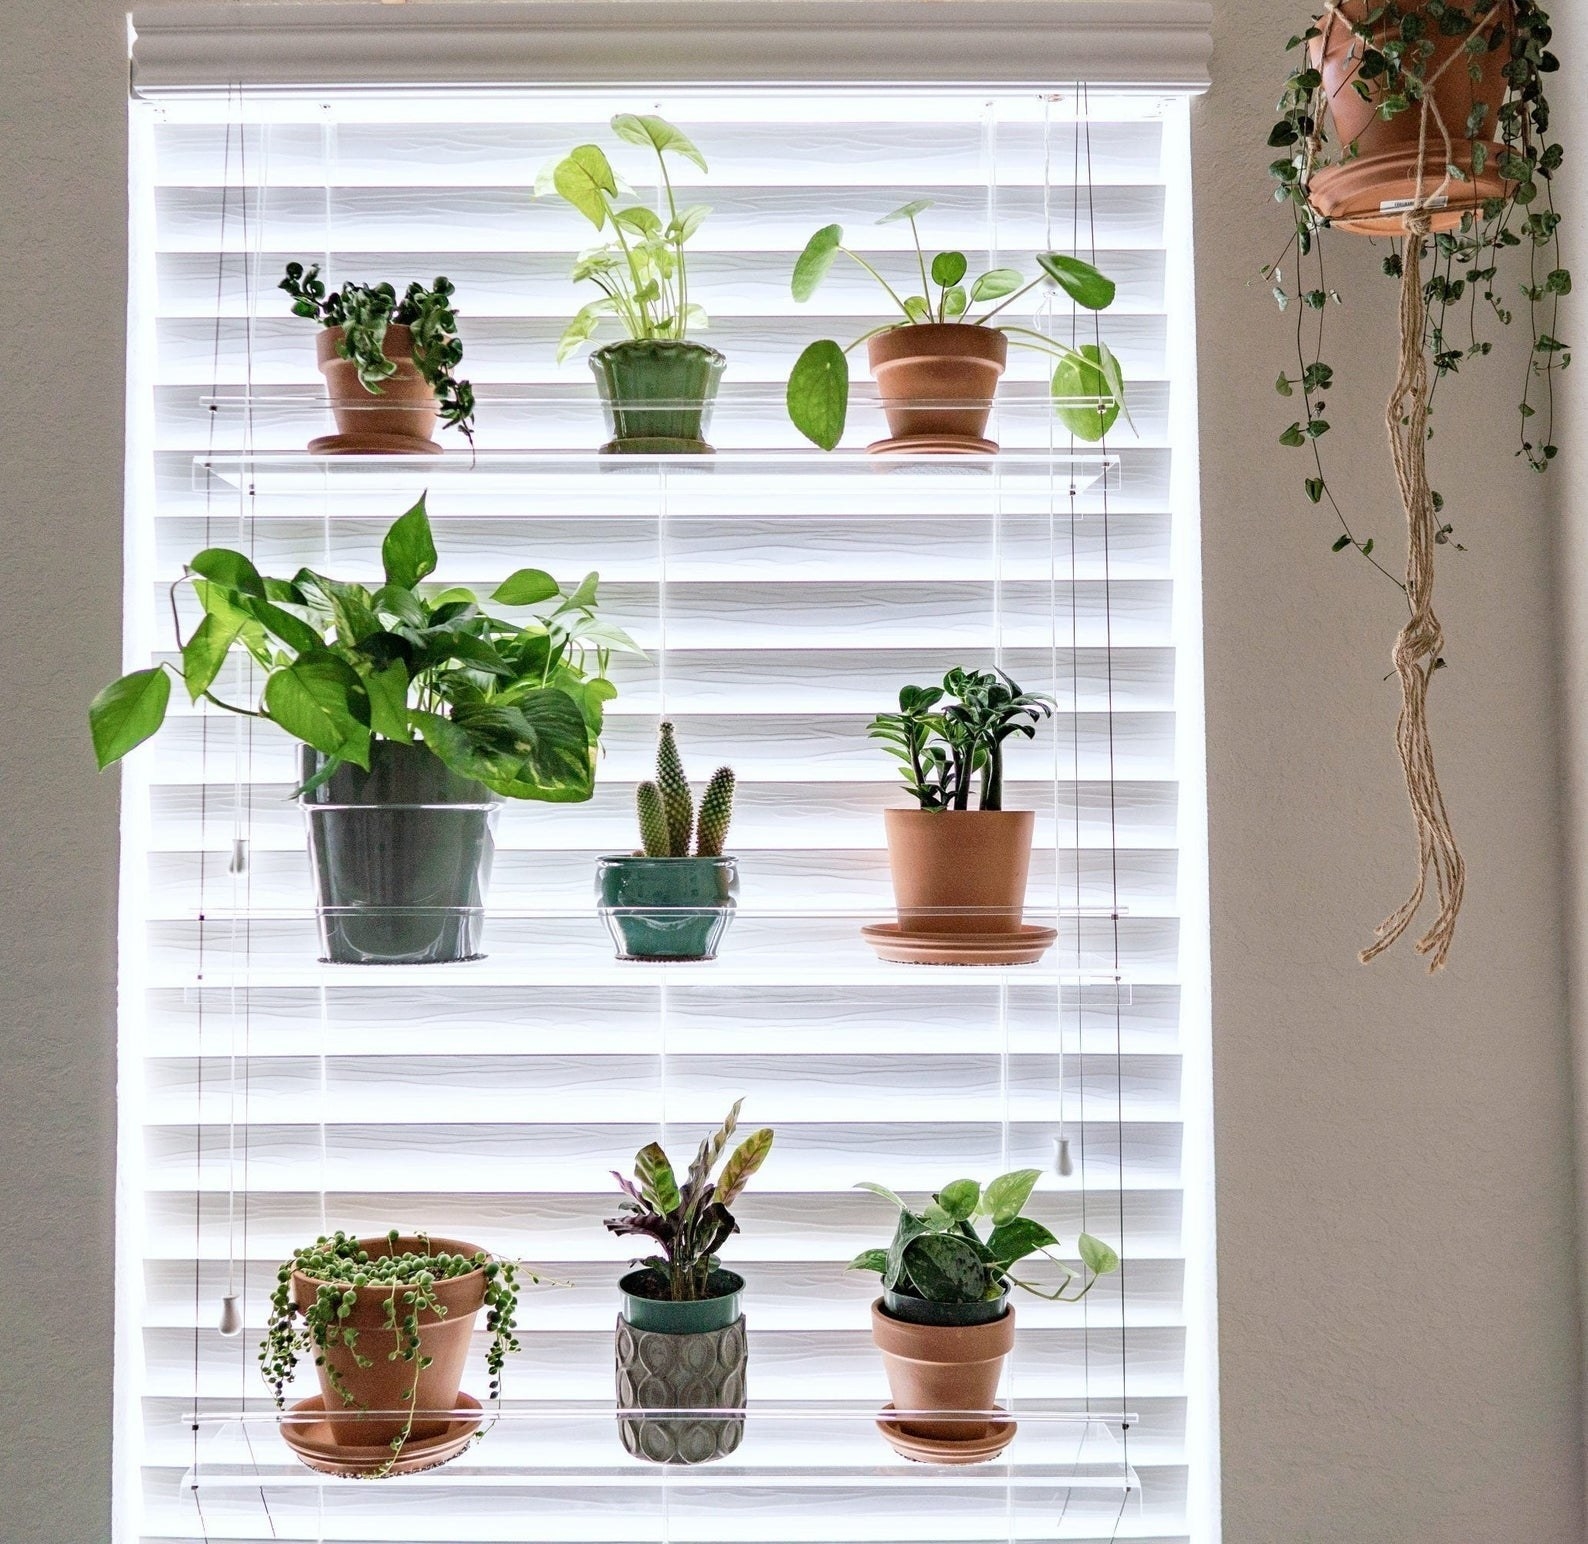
(388, 364)
(680, 1335)
(388, 1323)
(1426, 121)
(656, 386)
(418, 713)
(937, 365)
(944, 1322)
(959, 874)
(664, 902)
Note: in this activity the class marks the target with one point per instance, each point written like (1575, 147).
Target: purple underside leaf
(643, 1225)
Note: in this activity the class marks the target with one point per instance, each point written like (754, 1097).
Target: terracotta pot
(943, 1367)
(945, 860)
(937, 381)
(382, 1385)
(398, 419)
(1354, 194)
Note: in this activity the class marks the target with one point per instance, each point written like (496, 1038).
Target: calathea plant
(1088, 386)
(939, 1254)
(950, 737)
(364, 312)
(689, 1222)
(516, 705)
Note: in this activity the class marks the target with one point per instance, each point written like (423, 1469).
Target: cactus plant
(666, 807)
(716, 810)
(676, 796)
(654, 838)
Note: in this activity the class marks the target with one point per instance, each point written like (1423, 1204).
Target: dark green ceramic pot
(401, 857)
(716, 1312)
(917, 1310)
(658, 394)
(667, 908)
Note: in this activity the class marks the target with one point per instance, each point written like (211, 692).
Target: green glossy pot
(667, 908)
(908, 1309)
(401, 857)
(665, 1317)
(658, 394)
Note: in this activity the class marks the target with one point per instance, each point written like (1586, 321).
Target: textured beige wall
(1396, 1212)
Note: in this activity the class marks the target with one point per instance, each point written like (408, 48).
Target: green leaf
(996, 283)
(583, 596)
(1005, 1195)
(223, 566)
(1099, 1258)
(657, 133)
(1340, 544)
(398, 602)
(1084, 400)
(1283, 386)
(883, 1191)
(584, 177)
(917, 309)
(870, 1260)
(388, 701)
(408, 553)
(1017, 1238)
(526, 587)
(654, 1174)
(818, 393)
(638, 218)
(909, 1228)
(948, 268)
(127, 712)
(205, 651)
(1293, 436)
(1080, 281)
(1314, 487)
(315, 699)
(959, 1198)
(688, 222)
(955, 301)
(811, 267)
(945, 1268)
(293, 631)
(906, 211)
(747, 1158)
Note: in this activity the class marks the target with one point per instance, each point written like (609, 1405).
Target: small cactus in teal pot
(669, 824)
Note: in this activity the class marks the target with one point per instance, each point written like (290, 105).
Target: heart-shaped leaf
(948, 268)
(659, 134)
(584, 177)
(1004, 1196)
(818, 393)
(959, 1198)
(945, 1268)
(127, 712)
(224, 567)
(320, 700)
(1079, 280)
(1100, 1259)
(811, 267)
(409, 551)
(1082, 396)
(526, 587)
(996, 283)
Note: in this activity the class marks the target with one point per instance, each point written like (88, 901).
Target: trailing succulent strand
(666, 807)
(716, 810)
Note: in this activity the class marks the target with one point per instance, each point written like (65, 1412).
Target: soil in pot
(937, 381)
(667, 908)
(943, 1367)
(658, 395)
(401, 857)
(1369, 192)
(398, 420)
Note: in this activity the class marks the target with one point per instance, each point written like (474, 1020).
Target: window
(782, 597)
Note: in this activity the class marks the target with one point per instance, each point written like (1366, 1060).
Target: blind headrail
(375, 45)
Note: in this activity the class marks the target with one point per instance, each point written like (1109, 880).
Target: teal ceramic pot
(401, 857)
(667, 908)
(658, 394)
(666, 1317)
(917, 1310)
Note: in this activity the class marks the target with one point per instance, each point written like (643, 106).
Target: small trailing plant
(690, 1222)
(365, 311)
(1468, 286)
(641, 268)
(938, 1253)
(950, 737)
(406, 1285)
(1088, 386)
(666, 807)
(516, 705)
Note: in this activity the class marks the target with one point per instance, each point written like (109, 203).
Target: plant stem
(1009, 300)
(880, 280)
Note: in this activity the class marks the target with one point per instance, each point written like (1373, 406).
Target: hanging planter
(680, 1343)
(1427, 121)
(388, 364)
(937, 368)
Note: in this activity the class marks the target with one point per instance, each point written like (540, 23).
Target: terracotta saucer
(312, 1441)
(934, 445)
(373, 445)
(912, 1442)
(1025, 946)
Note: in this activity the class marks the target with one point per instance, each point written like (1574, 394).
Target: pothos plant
(950, 737)
(1088, 386)
(406, 1285)
(365, 311)
(1474, 279)
(517, 705)
(939, 1253)
(690, 1221)
(641, 268)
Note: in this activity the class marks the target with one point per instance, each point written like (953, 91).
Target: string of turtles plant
(1466, 287)
(343, 1270)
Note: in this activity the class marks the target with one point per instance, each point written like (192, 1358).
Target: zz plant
(641, 267)
(365, 311)
(951, 737)
(406, 1286)
(1088, 387)
(940, 1254)
(689, 1222)
(516, 705)
(666, 807)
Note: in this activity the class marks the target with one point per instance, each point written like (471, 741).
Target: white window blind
(782, 599)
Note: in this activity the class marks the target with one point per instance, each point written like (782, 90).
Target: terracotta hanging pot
(933, 1367)
(396, 421)
(937, 381)
(1369, 192)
